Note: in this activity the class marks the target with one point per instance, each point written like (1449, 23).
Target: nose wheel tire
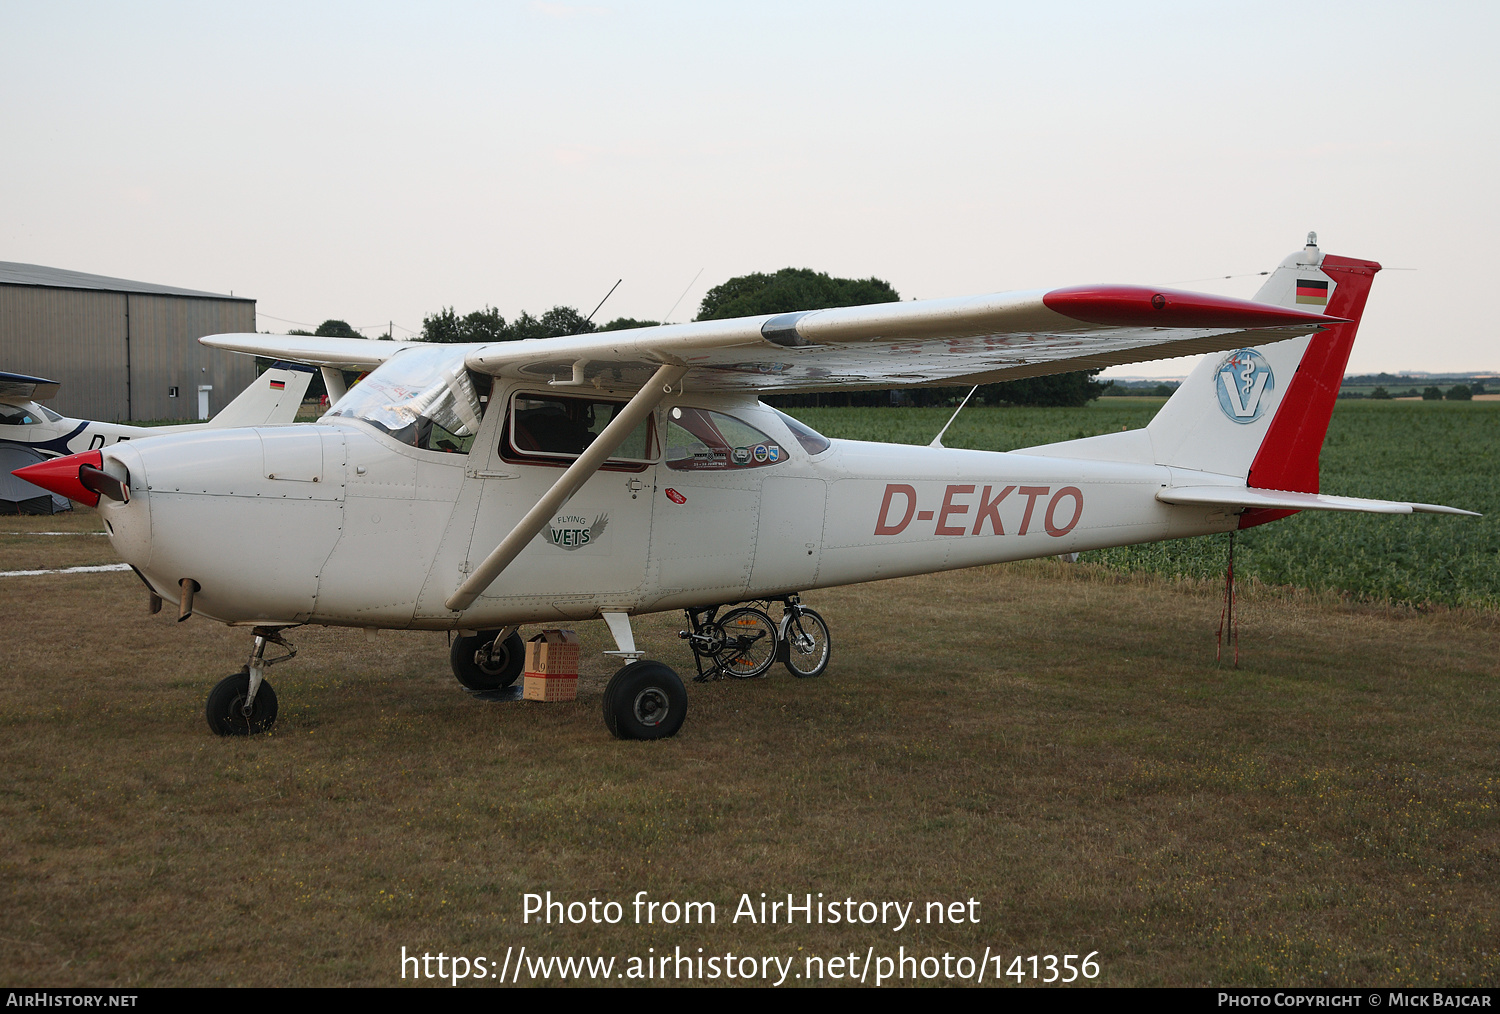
(645, 700)
(808, 644)
(226, 707)
(483, 672)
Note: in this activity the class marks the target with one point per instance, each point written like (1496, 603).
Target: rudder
(1261, 413)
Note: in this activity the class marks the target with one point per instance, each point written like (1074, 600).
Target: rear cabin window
(811, 440)
(702, 441)
(561, 427)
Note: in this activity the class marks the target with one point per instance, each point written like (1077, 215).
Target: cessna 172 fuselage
(478, 488)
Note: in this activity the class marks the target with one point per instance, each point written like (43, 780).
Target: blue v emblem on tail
(1244, 378)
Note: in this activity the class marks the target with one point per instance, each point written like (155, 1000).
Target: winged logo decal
(573, 531)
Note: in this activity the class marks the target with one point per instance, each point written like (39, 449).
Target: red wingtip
(60, 476)
(1136, 306)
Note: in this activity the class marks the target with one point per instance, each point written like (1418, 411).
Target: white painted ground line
(102, 568)
(54, 533)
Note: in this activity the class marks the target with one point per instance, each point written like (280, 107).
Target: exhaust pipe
(189, 589)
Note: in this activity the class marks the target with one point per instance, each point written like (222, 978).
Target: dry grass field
(1054, 741)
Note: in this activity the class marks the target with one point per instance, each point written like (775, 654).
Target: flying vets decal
(1064, 509)
(573, 531)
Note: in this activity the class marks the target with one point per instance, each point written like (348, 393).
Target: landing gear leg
(488, 662)
(644, 700)
(244, 704)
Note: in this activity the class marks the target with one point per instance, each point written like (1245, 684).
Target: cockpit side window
(560, 427)
(700, 441)
(15, 415)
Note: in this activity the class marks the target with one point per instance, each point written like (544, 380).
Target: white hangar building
(123, 351)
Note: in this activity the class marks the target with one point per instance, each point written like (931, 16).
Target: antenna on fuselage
(684, 293)
(611, 292)
(937, 441)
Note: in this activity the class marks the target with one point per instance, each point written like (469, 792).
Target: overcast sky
(376, 162)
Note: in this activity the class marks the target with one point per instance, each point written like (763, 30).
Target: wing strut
(661, 384)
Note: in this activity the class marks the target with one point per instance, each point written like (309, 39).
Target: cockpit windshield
(420, 396)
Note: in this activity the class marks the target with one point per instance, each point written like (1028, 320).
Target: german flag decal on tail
(1312, 292)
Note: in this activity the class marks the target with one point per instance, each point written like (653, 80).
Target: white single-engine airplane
(477, 488)
(31, 432)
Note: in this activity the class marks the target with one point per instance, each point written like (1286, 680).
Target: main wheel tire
(749, 643)
(808, 645)
(645, 700)
(226, 702)
(479, 677)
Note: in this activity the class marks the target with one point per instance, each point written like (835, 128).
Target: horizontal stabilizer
(1275, 499)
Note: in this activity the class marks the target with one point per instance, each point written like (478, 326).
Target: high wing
(971, 340)
(18, 388)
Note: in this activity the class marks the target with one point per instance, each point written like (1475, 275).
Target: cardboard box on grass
(551, 672)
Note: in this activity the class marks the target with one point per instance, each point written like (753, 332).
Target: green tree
(445, 326)
(1380, 394)
(1432, 394)
(790, 289)
(488, 326)
(626, 323)
(1459, 392)
(336, 329)
(564, 320)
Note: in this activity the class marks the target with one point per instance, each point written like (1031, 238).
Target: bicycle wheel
(749, 643)
(808, 646)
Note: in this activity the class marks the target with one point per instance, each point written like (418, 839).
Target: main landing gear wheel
(749, 643)
(645, 700)
(808, 644)
(486, 668)
(226, 707)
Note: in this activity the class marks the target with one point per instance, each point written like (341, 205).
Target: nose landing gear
(488, 662)
(244, 704)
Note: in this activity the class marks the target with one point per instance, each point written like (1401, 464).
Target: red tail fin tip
(1288, 457)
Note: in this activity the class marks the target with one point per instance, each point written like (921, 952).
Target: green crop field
(1434, 452)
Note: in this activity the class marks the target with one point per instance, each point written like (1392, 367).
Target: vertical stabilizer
(1288, 457)
(1260, 414)
(272, 398)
